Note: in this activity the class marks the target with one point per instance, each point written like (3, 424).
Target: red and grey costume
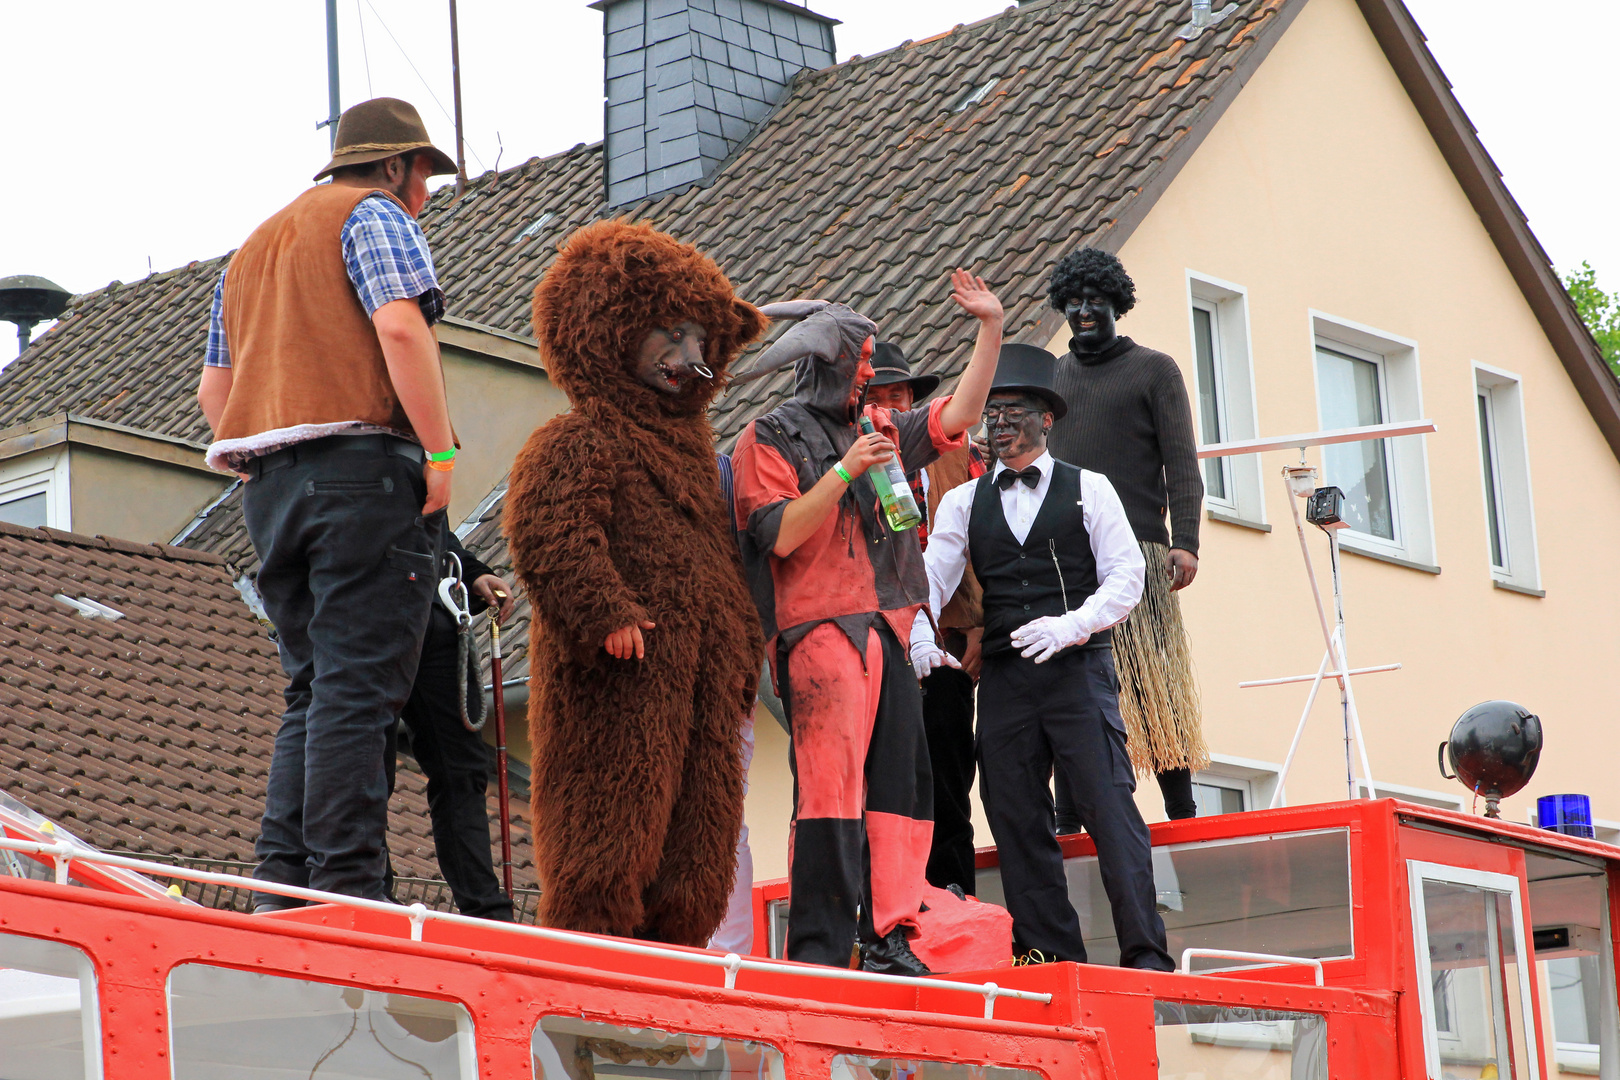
(837, 615)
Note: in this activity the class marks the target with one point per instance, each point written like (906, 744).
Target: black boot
(892, 955)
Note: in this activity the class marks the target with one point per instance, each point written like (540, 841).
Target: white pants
(736, 933)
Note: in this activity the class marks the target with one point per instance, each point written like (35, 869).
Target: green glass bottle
(894, 492)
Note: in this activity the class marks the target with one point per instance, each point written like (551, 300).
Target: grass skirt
(1157, 694)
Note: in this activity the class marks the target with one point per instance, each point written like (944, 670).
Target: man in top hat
(1059, 565)
(947, 693)
(323, 388)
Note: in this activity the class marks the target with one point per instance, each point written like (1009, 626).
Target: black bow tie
(1029, 474)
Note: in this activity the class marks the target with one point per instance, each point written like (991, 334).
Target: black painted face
(670, 359)
(1091, 319)
(1017, 425)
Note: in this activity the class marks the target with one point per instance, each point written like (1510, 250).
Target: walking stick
(500, 749)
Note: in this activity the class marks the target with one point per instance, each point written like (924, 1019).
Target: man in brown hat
(323, 388)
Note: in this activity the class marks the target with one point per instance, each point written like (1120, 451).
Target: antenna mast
(455, 85)
(333, 101)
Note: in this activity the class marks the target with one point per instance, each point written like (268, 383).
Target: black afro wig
(1097, 268)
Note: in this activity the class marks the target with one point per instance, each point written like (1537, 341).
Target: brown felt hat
(378, 129)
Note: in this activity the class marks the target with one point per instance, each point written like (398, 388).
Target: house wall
(1321, 189)
(135, 498)
(494, 405)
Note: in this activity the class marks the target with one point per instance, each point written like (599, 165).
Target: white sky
(166, 131)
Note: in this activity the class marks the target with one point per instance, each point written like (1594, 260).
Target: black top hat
(1030, 370)
(891, 367)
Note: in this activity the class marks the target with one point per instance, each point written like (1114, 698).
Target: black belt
(376, 444)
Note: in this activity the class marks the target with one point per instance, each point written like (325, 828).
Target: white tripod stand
(1301, 482)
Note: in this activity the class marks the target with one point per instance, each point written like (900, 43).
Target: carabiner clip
(453, 594)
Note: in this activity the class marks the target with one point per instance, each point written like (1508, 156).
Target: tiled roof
(863, 186)
(127, 354)
(152, 733)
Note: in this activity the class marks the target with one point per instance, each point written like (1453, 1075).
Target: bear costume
(614, 520)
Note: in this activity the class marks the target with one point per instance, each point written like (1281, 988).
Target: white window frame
(1419, 872)
(36, 474)
(1256, 779)
(1441, 800)
(1504, 393)
(1400, 386)
(1228, 304)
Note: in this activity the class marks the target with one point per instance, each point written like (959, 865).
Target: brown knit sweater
(1130, 420)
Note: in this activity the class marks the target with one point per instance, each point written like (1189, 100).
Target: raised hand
(974, 296)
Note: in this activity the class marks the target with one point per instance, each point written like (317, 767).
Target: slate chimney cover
(687, 80)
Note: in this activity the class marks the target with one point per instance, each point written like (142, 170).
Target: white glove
(927, 656)
(1045, 637)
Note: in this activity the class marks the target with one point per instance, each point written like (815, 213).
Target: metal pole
(500, 748)
(25, 334)
(334, 101)
(455, 88)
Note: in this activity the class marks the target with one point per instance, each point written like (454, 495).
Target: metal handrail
(1259, 957)
(64, 852)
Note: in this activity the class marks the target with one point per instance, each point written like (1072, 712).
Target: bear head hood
(611, 284)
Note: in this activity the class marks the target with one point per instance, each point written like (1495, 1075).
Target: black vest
(1026, 581)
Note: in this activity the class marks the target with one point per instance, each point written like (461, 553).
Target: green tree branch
(1599, 310)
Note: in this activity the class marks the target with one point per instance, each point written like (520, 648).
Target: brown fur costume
(614, 516)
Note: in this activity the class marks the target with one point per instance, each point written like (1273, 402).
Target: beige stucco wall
(494, 405)
(1321, 189)
(135, 498)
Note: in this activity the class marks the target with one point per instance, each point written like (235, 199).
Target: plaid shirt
(387, 257)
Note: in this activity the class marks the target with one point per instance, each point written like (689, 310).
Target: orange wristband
(442, 466)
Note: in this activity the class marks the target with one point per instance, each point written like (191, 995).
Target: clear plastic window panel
(1286, 894)
(1220, 1042)
(244, 1025)
(572, 1048)
(1479, 1015)
(858, 1067)
(1569, 909)
(49, 1019)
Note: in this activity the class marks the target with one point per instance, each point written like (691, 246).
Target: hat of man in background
(891, 366)
(378, 129)
(1031, 370)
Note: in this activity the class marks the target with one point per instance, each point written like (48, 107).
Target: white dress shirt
(1120, 566)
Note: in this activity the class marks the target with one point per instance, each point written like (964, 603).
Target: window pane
(1493, 501)
(1474, 969)
(1206, 1042)
(47, 1011)
(1209, 409)
(1352, 397)
(1288, 895)
(28, 511)
(1574, 951)
(568, 1048)
(856, 1067)
(243, 1025)
(1213, 799)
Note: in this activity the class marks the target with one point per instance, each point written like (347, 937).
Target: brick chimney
(687, 80)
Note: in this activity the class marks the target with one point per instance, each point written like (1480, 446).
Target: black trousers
(456, 763)
(1064, 712)
(347, 570)
(863, 797)
(1175, 785)
(947, 701)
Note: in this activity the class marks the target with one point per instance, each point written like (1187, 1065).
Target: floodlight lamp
(1325, 508)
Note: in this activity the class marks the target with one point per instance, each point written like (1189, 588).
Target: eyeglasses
(1011, 414)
